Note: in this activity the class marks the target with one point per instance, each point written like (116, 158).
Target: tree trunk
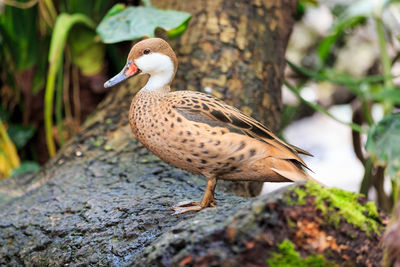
(104, 199)
(236, 50)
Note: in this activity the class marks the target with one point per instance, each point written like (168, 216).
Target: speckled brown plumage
(201, 134)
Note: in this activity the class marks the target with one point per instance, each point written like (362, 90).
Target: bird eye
(146, 51)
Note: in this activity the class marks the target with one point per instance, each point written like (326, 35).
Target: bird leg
(208, 200)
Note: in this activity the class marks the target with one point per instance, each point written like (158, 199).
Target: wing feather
(197, 105)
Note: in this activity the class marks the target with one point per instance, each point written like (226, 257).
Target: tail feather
(296, 176)
(301, 151)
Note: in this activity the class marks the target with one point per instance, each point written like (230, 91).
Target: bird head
(152, 56)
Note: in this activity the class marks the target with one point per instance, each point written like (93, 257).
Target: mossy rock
(287, 256)
(337, 204)
(299, 225)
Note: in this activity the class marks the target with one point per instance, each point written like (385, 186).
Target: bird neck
(158, 81)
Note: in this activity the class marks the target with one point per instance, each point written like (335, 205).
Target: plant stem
(59, 104)
(367, 112)
(366, 181)
(386, 63)
(395, 191)
(48, 108)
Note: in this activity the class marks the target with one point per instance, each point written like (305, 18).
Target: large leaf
(87, 52)
(383, 144)
(135, 22)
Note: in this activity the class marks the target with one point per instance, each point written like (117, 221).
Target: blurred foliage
(369, 90)
(9, 159)
(12, 138)
(64, 33)
(132, 23)
(383, 144)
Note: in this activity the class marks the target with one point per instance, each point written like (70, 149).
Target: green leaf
(383, 144)
(63, 24)
(325, 46)
(135, 22)
(333, 76)
(114, 10)
(178, 30)
(19, 31)
(392, 95)
(369, 87)
(20, 135)
(87, 53)
(25, 167)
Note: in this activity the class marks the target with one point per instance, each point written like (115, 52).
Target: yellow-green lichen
(287, 256)
(336, 204)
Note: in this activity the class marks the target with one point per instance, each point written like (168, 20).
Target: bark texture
(236, 50)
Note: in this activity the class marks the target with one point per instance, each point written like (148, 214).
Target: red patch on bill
(131, 69)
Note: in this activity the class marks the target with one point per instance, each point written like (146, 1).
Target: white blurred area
(334, 162)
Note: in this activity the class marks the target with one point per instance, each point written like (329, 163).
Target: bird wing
(205, 108)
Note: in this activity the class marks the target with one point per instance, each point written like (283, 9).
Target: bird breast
(193, 146)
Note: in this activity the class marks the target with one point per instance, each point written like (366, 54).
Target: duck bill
(128, 71)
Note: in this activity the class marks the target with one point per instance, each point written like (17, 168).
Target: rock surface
(105, 200)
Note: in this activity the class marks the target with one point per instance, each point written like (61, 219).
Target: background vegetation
(54, 63)
(355, 62)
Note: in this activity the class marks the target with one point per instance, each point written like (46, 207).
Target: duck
(199, 133)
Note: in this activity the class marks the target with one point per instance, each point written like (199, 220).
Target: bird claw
(186, 206)
(180, 210)
(183, 204)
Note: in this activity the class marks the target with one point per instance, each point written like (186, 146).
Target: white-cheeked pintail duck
(200, 133)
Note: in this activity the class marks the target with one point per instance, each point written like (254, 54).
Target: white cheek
(154, 63)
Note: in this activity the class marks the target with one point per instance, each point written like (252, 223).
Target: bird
(199, 133)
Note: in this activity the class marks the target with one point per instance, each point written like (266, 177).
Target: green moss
(287, 256)
(336, 204)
